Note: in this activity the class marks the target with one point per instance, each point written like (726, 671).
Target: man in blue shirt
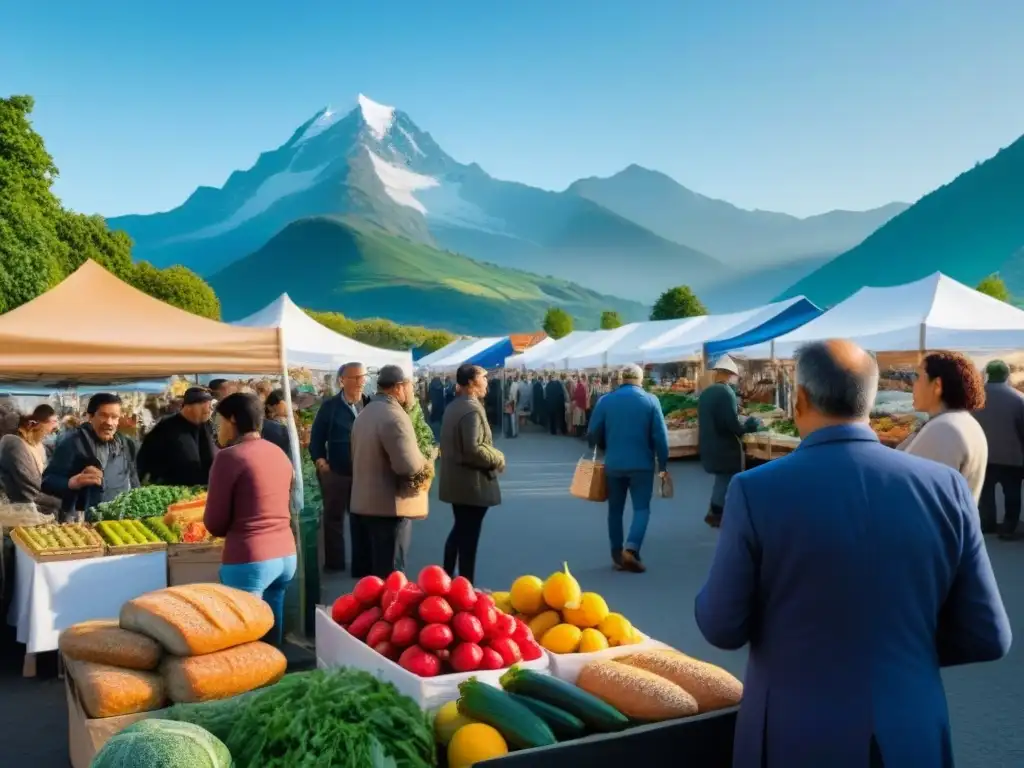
(629, 426)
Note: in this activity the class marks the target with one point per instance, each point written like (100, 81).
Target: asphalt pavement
(537, 528)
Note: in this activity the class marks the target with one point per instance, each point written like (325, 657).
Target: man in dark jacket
(1002, 419)
(180, 449)
(94, 463)
(539, 413)
(437, 395)
(554, 404)
(719, 433)
(330, 447)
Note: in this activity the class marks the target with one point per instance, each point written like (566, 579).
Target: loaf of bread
(636, 693)
(222, 674)
(194, 619)
(108, 691)
(104, 642)
(711, 686)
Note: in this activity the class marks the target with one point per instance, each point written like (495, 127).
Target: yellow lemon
(447, 721)
(542, 622)
(527, 595)
(502, 601)
(592, 640)
(634, 636)
(592, 611)
(473, 744)
(565, 638)
(561, 590)
(616, 628)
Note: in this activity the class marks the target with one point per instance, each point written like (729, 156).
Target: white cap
(726, 363)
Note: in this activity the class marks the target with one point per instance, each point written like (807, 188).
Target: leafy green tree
(994, 286)
(87, 237)
(178, 286)
(610, 319)
(557, 323)
(676, 303)
(383, 333)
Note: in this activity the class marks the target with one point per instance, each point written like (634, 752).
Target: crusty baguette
(636, 693)
(193, 619)
(222, 674)
(711, 686)
(104, 642)
(108, 691)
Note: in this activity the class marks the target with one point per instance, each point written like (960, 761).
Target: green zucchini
(565, 726)
(487, 704)
(596, 714)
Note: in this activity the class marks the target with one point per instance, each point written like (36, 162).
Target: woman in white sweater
(948, 387)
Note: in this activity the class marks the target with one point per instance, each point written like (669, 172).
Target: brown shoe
(631, 562)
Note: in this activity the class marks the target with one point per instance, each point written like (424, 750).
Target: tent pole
(922, 341)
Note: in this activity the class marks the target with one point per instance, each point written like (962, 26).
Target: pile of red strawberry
(434, 625)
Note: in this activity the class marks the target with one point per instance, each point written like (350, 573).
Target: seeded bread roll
(108, 691)
(104, 642)
(194, 619)
(222, 674)
(636, 693)
(711, 686)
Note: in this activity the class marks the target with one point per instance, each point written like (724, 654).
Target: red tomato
(404, 631)
(406, 600)
(530, 650)
(387, 599)
(466, 657)
(434, 581)
(483, 597)
(435, 610)
(419, 661)
(361, 626)
(507, 648)
(488, 616)
(522, 632)
(491, 659)
(395, 581)
(461, 594)
(435, 637)
(468, 627)
(368, 590)
(345, 609)
(504, 625)
(379, 632)
(387, 650)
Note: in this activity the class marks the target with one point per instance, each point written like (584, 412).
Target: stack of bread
(186, 644)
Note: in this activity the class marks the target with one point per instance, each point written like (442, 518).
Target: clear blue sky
(794, 105)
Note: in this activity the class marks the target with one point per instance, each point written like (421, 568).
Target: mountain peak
(378, 117)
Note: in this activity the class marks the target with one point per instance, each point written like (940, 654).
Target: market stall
(315, 346)
(488, 352)
(52, 341)
(451, 348)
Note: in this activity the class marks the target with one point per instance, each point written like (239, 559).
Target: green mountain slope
(967, 229)
(348, 265)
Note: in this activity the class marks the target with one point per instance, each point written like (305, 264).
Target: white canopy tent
(686, 341)
(315, 346)
(935, 312)
(537, 357)
(428, 361)
(556, 357)
(456, 357)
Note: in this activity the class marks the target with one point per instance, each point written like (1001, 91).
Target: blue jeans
(640, 487)
(268, 579)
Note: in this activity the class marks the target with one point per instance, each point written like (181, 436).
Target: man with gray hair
(629, 426)
(330, 443)
(848, 566)
(1002, 420)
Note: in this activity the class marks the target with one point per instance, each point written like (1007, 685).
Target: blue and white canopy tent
(489, 352)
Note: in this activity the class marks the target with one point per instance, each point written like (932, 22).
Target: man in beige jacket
(385, 461)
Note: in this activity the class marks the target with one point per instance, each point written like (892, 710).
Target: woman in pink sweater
(249, 505)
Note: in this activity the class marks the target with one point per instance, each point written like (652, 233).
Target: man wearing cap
(180, 449)
(385, 459)
(330, 447)
(719, 432)
(1002, 420)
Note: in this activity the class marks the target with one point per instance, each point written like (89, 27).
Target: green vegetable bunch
(159, 527)
(139, 503)
(424, 434)
(342, 718)
(126, 533)
(671, 402)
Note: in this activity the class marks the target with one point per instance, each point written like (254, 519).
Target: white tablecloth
(50, 597)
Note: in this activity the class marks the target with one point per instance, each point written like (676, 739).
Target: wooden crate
(58, 553)
(194, 563)
(683, 442)
(135, 549)
(765, 446)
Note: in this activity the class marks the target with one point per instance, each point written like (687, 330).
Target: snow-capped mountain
(375, 163)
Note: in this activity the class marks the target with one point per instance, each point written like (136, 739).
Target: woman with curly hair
(948, 386)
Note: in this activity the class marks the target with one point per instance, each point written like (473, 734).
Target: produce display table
(702, 741)
(766, 446)
(51, 596)
(682, 442)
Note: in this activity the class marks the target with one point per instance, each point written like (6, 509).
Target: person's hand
(321, 464)
(88, 476)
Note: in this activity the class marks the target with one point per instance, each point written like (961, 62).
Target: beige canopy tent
(94, 328)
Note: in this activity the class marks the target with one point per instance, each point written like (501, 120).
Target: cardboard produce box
(194, 563)
(86, 735)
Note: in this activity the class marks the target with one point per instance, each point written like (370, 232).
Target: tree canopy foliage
(676, 303)
(994, 286)
(610, 319)
(557, 323)
(382, 333)
(41, 242)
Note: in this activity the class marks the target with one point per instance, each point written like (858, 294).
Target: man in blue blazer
(855, 572)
